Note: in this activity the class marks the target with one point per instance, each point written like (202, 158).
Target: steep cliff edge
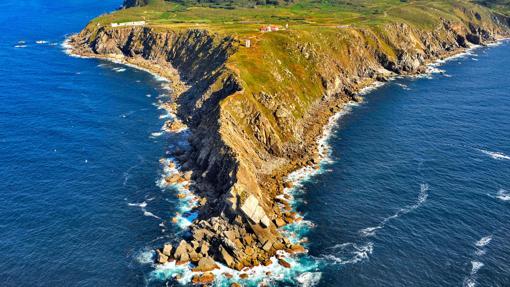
(257, 102)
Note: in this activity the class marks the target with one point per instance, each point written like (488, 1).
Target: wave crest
(422, 197)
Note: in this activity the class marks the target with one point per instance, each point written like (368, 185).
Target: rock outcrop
(247, 136)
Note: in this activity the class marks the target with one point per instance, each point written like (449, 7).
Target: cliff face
(253, 122)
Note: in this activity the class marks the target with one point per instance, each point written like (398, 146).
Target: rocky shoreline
(237, 179)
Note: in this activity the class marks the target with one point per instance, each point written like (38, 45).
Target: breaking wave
(143, 206)
(349, 253)
(422, 197)
(495, 155)
(470, 281)
(503, 195)
(484, 241)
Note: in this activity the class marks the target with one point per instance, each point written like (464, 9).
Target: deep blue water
(76, 149)
(410, 162)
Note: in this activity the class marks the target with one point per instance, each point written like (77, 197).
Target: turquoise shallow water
(416, 192)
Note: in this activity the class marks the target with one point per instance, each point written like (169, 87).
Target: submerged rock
(284, 263)
(201, 279)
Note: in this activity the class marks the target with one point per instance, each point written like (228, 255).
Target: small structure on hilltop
(247, 43)
(124, 24)
(269, 28)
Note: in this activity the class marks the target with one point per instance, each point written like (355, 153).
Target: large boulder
(167, 249)
(254, 212)
(161, 258)
(226, 257)
(181, 252)
(205, 264)
(203, 279)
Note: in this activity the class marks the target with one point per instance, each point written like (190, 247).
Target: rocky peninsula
(256, 100)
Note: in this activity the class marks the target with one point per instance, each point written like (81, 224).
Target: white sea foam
(150, 214)
(156, 134)
(484, 241)
(167, 115)
(309, 279)
(403, 86)
(349, 253)
(142, 204)
(20, 46)
(476, 265)
(371, 88)
(469, 282)
(503, 195)
(495, 155)
(41, 42)
(119, 70)
(298, 275)
(422, 197)
(145, 257)
(68, 49)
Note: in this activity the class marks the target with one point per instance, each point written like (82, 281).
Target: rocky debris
(203, 279)
(284, 263)
(267, 262)
(181, 252)
(235, 284)
(187, 175)
(167, 249)
(174, 126)
(279, 222)
(205, 264)
(226, 257)
(174, 179)
(296, 248)
(161, 258)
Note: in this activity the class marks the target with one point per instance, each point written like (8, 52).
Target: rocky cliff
(256, 112)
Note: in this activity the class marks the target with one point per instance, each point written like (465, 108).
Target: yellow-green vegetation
(320, 23)
(316, 42)
(303, 14)
(502, 6)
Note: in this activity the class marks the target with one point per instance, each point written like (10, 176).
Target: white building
(124, 24)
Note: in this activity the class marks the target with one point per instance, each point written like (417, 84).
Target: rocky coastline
(241, 153)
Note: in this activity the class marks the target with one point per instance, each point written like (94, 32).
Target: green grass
(275, 64)
(502, 6)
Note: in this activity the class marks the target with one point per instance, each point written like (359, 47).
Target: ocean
(414, 190)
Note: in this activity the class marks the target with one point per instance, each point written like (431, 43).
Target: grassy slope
(306, 18)
(276, 63)
(502, 6)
